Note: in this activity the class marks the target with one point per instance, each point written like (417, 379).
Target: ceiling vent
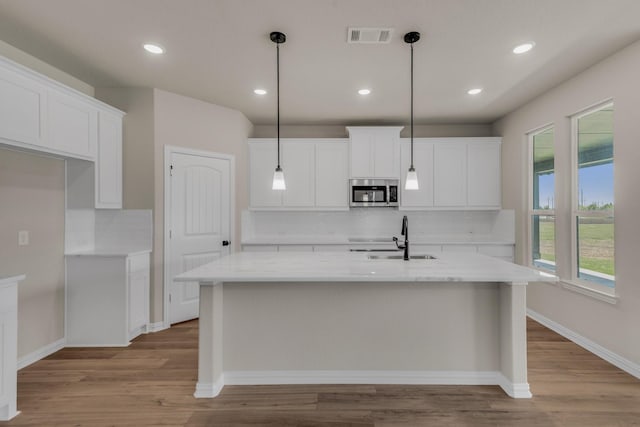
(369, 35)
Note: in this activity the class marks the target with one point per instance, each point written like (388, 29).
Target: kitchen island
(343, 318)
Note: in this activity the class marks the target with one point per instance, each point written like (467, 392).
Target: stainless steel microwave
(373, 192)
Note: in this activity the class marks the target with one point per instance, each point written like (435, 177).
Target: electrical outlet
(23, 238)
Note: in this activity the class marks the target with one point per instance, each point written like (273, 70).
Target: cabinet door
(450, 174)
(332, 175)
(22, 109)
(262, 164)
(138, 289)
(108, 179)
(386, 154)
(72, 125)
(483, 180)
(361, 144)
(423, 163)
(298, 165)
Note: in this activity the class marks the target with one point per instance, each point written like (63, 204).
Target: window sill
(608, 297)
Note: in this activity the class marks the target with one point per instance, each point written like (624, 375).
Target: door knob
(225, 243)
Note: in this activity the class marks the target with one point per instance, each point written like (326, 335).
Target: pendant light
(278, 176)
(411, 183)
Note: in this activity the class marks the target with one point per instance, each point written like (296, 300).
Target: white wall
(614, 327)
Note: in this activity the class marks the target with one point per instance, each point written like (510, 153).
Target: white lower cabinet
(107, 299)
(8, 346)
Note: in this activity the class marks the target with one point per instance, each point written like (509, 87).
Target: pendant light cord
(411, 105)
(278, 96)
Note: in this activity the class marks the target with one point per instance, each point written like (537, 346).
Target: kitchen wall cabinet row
(107, 301)
(453, 173)
(38, 114)
(502, 251)
(316, 173)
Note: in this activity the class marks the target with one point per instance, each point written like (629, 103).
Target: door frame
(168, 151)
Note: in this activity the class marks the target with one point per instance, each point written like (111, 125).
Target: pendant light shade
(278, 180)
(411, 183)
(278, 176)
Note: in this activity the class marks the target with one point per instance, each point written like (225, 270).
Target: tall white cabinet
(8, 346)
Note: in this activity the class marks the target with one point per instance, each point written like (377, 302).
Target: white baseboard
(608, 355)
(156, 327)
(363, 377)
(209, 390)
(41, 353)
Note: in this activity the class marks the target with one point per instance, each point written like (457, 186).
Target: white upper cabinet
(332, 174)
(315, 172)
(108, 179)
(38, 114)
(449, 175)
(483, 175)
(423, 163)
(374, 151)
(298, 165)
(22, 108)
(453, 173)
(72, 125)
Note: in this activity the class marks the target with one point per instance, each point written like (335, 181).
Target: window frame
(531, 211)
(576, 213)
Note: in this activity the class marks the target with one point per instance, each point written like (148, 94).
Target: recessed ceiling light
(260, 91)
(474, 91)
(524, 47)
(364, 91)
(153, 48)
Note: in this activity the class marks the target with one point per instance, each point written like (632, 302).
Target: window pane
(543, 170)
(543, 233)
(595, 250)
(595, 160)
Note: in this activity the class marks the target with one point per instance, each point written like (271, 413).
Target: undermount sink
(401, 257)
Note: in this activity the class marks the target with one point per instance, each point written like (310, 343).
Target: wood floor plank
(151, 383)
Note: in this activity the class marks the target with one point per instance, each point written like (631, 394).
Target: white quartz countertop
(109, 252)
(357, 267)
(8, 280)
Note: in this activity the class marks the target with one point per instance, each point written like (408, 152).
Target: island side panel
(210, 341)
(513, 339)
(409, 332)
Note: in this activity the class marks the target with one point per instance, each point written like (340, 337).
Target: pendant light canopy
(278, 176)
(411, 183)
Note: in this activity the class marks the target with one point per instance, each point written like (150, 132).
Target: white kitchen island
(342, 318)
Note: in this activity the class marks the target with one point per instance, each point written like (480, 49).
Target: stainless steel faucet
(405, 233)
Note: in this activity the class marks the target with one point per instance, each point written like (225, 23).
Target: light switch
(23, 238)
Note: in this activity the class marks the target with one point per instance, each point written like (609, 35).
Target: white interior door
(199, 226)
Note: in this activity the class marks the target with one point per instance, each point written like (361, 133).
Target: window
(542, 233)
(592, 198)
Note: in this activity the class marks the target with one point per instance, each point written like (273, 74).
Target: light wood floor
(151, 383)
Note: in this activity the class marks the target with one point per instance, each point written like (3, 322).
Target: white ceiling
(219, 51)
